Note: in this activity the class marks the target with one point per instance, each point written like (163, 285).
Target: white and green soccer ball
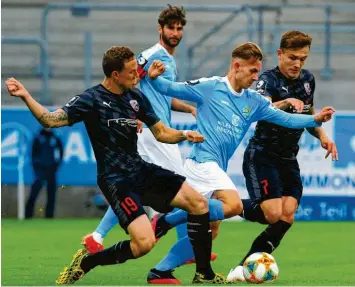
(260, 267)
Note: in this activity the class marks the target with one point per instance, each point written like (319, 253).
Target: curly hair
(114, 59)
(172, 14)
(295, 40)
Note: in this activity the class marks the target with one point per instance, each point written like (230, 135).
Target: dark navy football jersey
(111, 123)
(276, 139)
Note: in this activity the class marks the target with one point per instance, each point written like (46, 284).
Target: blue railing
(44, 70)
(187, 53)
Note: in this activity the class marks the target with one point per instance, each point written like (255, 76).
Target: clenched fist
(156, 69)
(15, 88)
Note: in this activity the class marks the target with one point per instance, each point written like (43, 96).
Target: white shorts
(167, 156)
(207, 177)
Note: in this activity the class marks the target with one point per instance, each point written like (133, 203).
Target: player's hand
(325, 115)
(15, 88)
(156, 69)
(194, 137)
(330, 146)
(139, 127)
(194, 112)
(296, 104)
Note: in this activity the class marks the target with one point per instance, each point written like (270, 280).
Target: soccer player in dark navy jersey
(270, 162)
(110, 112)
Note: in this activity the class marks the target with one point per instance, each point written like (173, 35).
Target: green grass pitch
(312, 253)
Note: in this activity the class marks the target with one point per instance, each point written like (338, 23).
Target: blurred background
(55, 49)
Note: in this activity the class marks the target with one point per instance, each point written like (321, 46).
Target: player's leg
(173, 189)
(291, 195)
(205, 178)
(215, 178)
(162, 273)
(264, 185)
(214, 226)
(291, 185)
(167, 156)
(93, 242)
(132, 217)
(198, 232)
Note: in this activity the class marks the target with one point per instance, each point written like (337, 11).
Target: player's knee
(199, 204)
(288, 216)
(143, 246)
(232, 209)
(272, 215)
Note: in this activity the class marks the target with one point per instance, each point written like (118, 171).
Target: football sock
(179, 254)
(252, 211)
(181, 231)
(116, 254)
(182, 251)
(198, 229)
(97, 237)
(180, 216)
(269, 239)
(107, 222)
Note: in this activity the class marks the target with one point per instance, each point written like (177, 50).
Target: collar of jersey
(230, 88)
(165, 50)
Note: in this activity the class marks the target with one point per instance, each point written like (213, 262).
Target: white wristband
(185, 133)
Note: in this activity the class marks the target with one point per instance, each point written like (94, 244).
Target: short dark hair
(171, 15)
(114, 59)
(248, 50)
(295, 40)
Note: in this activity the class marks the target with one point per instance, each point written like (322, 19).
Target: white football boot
(236, 275)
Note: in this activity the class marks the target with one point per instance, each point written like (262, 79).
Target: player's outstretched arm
(271, 114)
(178, 90)
(164, 134)
(290, 103)
(46, 118)
(325, 141)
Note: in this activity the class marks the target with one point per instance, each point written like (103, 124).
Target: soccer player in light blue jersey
(225, 110)
(170, 27)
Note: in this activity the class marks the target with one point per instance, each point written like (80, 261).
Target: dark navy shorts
(270, 177)
(151, 186)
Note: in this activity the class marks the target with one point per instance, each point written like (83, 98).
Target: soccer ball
(260, 267)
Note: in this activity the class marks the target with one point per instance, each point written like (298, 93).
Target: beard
(168, 41)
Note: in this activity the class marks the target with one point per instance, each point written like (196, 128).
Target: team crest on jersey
(246, 111)
(134, 105)
(235, 120)
(307, 87)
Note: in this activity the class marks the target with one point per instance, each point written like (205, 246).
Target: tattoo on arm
(54, 119)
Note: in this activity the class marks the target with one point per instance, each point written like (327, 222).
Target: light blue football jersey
(224, 116)
(161, 104)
